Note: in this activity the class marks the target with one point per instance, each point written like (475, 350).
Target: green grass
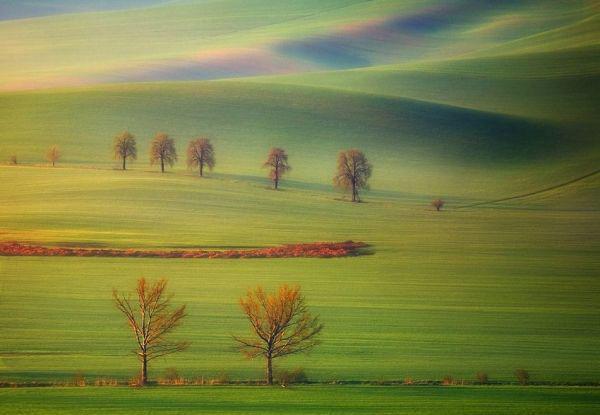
(303, 400)
(454, 292)
(471, 103)
(153, 42)
(418, 147)
(553, 86)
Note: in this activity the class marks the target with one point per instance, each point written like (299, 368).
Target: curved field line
(537, 192)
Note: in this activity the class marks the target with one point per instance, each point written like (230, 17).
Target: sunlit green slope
(196, 39)
(415, 146)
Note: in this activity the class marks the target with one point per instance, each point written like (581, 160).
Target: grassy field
(304, 400)
(490, 289)
(416, 146)
(189, 39)
(474, 102)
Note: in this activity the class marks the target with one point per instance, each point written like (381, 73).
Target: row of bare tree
(200, 152)
(53, 154)
(352, 175)
(353, 168)
(280, 324)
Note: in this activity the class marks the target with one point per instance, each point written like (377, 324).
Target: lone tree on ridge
(277, 162)
(280, 323)
(200, 153)
(438, 204)
(162, 149)
(53, 155)
(353, 172)
(151, 318)
(125, 147)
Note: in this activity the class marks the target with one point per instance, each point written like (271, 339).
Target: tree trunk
(144, 374)
(52, 163)
(354, 193)
(269, 370)
(124, 162)
(162, 165)
(201, 169)
(276, 180)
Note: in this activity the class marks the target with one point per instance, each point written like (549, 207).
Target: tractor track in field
(537, 192)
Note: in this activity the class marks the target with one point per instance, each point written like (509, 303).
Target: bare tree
(522, 376)
(353, 172)
(125, 147)
(151, 319)
(200, 153)
(53, 155)
(482, 378)
(162, 149)
(281, 325)
(438, 204)
(277, 162)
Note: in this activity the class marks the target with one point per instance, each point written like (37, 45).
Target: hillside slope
(556, 85)
(198, 39)
(415, 146)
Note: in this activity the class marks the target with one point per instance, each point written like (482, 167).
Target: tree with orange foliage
(353, 172)
(277, 161)
(151, 320)
(53, 155)
(281, 325)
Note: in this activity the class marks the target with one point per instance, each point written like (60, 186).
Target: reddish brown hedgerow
(305, 250)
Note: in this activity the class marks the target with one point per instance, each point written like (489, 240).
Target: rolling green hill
(555, 85)
(484, 121)
(491, 106)
(197, 39)
(416, 146)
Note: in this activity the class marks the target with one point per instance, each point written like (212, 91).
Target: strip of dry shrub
(305, 250)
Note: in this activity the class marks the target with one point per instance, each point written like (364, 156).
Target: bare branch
(151, 320)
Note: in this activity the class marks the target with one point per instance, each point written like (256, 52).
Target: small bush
(13, 160)
(197, 381)
(408, 380)
(135, 381)
(79, 379)
(289, 377)
(172, 377)
(447, 380)
(106, 382)
(438, 204)
(522, 376)
(221, 379)
(482, 378)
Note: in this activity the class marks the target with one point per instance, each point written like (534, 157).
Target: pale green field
(242, 37)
